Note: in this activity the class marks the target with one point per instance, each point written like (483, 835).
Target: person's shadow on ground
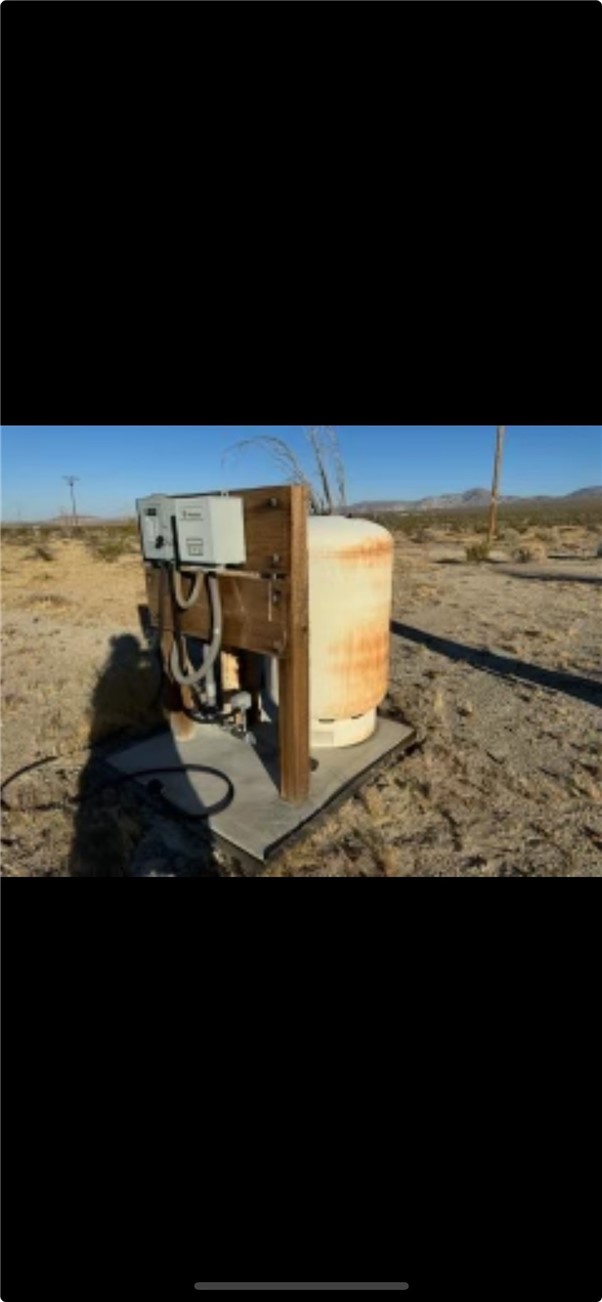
(120, 827)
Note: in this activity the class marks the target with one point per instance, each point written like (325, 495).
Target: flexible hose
(185, 603)
(81, 799)
(190, 680)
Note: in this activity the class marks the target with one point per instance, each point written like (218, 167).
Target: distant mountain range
(473, 497)
(67, 520)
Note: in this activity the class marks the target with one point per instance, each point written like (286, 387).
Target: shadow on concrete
(119, 821)
(267, 749)
(583, 689)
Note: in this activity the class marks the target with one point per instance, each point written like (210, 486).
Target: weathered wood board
(255, 612)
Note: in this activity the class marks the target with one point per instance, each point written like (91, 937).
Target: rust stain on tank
(360, 664)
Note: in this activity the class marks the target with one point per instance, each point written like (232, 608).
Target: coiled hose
(185, 603)
(177, 672)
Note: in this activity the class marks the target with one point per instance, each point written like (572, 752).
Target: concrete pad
(256, 822)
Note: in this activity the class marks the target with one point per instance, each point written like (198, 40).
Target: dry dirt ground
(496, 665)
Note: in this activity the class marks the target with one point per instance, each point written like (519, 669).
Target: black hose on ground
(131, 777)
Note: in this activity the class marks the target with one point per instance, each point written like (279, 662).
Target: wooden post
(293, 667)
(501, 431)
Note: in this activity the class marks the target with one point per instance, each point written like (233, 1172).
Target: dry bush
(41, 553)
(423, 535)
(510, 536)
(548, 536)
(16, 534)
(530, 552)
(476, 553)
(47, 599)
(326, 480)
(108, 547)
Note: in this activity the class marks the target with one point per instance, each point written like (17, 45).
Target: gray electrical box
(156, 527)
(209, 530)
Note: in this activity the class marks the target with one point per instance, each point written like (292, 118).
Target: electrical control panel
(156, 527)
(209, 530)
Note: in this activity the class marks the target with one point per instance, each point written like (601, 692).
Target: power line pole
(497, 470)
(71, 480)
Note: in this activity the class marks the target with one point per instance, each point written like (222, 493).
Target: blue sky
(116, 464)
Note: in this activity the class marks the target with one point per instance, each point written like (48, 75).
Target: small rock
(466, 708)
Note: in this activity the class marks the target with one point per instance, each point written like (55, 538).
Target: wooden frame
(265, 606)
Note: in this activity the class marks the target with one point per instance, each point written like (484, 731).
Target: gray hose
(190, 680)
(186, 603)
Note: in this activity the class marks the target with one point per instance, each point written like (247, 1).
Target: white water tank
(350, 597)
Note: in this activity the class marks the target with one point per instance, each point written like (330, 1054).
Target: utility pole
(499, 449)
(71, 480)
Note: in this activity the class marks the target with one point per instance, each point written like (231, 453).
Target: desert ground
(495, 663)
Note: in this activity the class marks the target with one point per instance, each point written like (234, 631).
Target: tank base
(335, 734)
(257, 823)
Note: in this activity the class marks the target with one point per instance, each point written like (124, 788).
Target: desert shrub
(532, 551)
(109, 544)
(548, 536)
(324, 477)
(16, 534)
(107, 548)
(48, 599)
(41, 553)
(477, 552)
